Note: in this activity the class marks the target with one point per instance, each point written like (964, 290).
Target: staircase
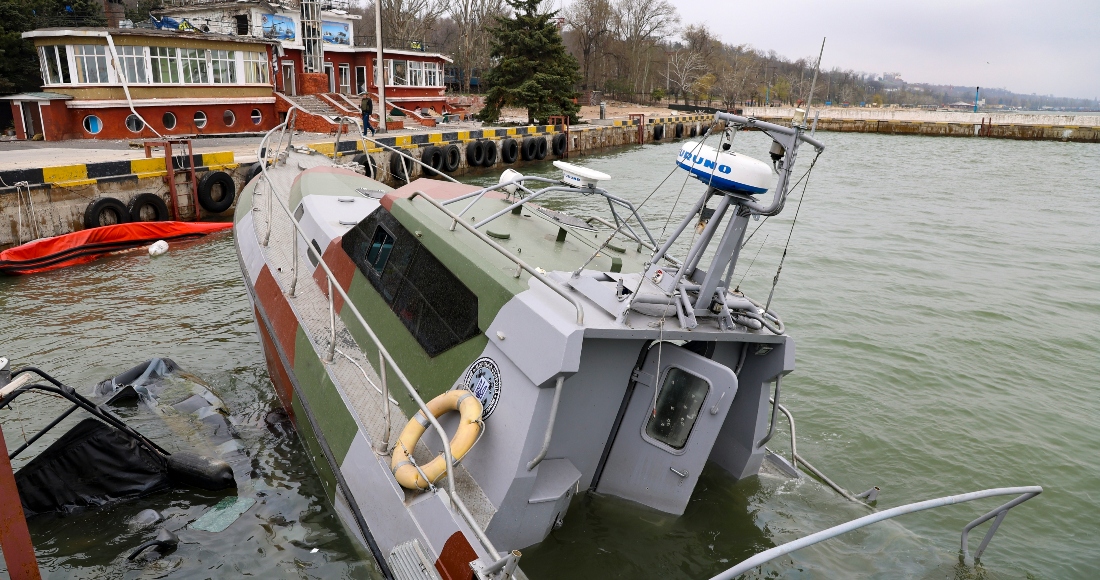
(317, 115)
(314, 105)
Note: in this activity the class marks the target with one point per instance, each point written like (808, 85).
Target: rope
(794, 222)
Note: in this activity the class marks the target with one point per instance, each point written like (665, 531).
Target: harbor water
(944, 295)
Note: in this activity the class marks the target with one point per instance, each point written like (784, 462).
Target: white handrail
(1025, 494)
(385, 354)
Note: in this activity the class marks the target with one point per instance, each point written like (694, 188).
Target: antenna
(810, 101)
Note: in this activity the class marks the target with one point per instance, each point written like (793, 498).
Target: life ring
(147, 207)
(509, 151)
(541, 150)
(558, 144)
(658, 132)
(216, 191)
(452, 158)
(401, 166)
(367, 162)
(105, 211)
(475, 154)
(432, 156)
(490, 153)
(469, 428)
(529, 149)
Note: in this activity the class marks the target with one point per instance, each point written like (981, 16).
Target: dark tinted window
(437, 308)
(678, 405)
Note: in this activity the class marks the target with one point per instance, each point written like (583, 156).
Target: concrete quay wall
(1029, 127)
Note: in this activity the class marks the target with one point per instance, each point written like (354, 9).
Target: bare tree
(640, 25)
(405, 21)
(684, 66)
(473, 19)
(590, 21)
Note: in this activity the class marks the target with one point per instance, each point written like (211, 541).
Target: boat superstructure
(603, 359)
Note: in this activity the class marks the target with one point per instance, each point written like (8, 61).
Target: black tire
(658, 132)
(509, 151)
(432, 156)
(147, 207)
(490, 153)
(367, 162)
(475, 154)
(452, 158)
(400, 166)
(694, 131)
(216, 191)
(558, 144)
(105, 211)
(679, 130)
(543, 148)
(530, 149)
(253, 171)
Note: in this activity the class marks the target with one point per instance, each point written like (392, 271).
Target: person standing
(367, 107)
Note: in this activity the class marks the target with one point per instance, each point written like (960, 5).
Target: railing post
(331, 352)
(15, 538)
(385, 447)
(294, 264)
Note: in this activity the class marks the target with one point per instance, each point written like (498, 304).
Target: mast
(380, 75)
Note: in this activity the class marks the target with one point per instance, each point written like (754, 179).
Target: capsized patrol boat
(577, 354)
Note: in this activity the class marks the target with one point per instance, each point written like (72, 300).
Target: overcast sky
(1025, 46)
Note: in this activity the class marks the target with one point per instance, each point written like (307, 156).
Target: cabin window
(416, 73)
(678, 405)
(257, 117)
(91, 63)
(379, 250)
(200, 119)
(92, 124)
(255, 67)
(193, 63)
(398, 72)
(228, 118)
(165, 64)
(132, 59)
(169, 121)
(223, 66)
(433, 304)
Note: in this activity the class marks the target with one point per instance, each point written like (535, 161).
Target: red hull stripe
(278, 373)
(342, 267)
(279, 313)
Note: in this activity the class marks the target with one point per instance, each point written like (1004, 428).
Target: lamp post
(381, 72)
(976, 91)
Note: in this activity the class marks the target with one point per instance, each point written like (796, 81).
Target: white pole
(380, 72)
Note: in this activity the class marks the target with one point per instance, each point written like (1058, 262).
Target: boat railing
(384, 354)
(1023, 494)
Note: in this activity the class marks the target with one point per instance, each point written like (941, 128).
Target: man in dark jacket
(367, 107)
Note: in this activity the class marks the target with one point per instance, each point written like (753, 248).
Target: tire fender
(452, 158)
(105, 209)
(490, 148)
(475, 154)
(558, 144)
(150, 200)
(509, 151)
(210, 182)
(368, 164)
(529, 149)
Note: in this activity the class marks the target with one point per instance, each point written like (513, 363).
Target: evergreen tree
(531, 68)
(18, 59)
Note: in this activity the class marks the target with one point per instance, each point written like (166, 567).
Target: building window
(345, 79)
(257, 117)
(416, 73)
(431, 75)
(360, 80)
(223, 66)
(169, 121)
(134, 123)
(433, 304)
(55, 64)
(165, 63)
(678, 404)
(200, 119)
(255, 67)
(92, 124)
(398, 73)
(228, 118)
(132, 59)
(193, 63)
(91, 63)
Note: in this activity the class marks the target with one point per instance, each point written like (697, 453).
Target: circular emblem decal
(483, 380)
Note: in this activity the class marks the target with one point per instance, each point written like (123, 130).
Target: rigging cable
(794, 222)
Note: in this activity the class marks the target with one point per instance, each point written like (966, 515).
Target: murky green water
(945, 296)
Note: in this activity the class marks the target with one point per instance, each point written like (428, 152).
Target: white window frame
(358, 76)
(345, 78)
(57, 50)
(141, 59)
(174, 64)
(256, 62)
(329, 71)
(226, 65)
(204, 60)
(78, 55)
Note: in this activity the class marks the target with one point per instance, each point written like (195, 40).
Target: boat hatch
(664, 440)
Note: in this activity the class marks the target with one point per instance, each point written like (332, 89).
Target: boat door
(664, 440)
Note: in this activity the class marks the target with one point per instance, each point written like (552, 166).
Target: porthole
(257, 117)
(228, 118)
(169, 121)
(200, 119)
(92, 124)
(134, 123)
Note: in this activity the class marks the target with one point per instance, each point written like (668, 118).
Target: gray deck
(359, 389)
